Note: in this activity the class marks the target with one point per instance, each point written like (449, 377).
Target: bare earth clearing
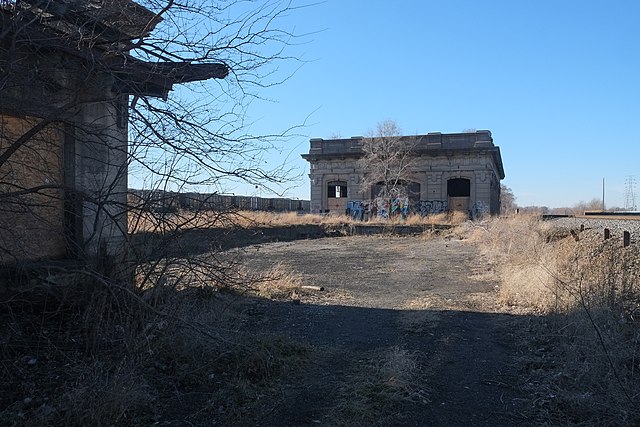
(407, 332)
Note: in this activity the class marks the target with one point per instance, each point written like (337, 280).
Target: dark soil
(430, 299)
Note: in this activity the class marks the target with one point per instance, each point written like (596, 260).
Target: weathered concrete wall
(324, 172)
(437, 158)
(31, 193)
(91, 152)
(101, 177)
(432, 173)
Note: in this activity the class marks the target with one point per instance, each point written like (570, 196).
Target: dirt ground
(406, 332)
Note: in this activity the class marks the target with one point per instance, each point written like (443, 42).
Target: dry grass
(113, 357)
(104, 396)
(145, 221)
(518, 246)
(279, 282)
(457, 217)
(589, 291)
(225, 274)
(378, 389)
(399, 370)
(151, 222)
(273, 219)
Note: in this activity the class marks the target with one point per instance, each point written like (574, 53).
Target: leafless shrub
(399, 368)
(123, 359)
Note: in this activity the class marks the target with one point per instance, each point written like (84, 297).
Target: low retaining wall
(299, 232)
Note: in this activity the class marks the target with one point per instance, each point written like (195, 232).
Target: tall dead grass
(145, 221)
(589, 290)
(519, 246)
(279, 282)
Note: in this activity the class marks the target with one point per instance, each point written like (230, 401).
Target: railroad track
(597, 215)
(616, 224)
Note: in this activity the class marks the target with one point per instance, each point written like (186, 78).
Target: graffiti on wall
(431, 207)
(399, 206)
(385, 208)
(357, 210)
(480, 209)
(379, 207)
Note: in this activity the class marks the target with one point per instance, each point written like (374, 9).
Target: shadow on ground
(462, 367)
(197, 241)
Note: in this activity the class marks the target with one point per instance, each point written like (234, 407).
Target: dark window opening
(413, 190)
(376, 189)
(459, 187)
(337, 190)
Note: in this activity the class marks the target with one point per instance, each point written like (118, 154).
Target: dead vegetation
(378, 388)
(179, 346)
(95, 355)
(584, 357)
(148, 221)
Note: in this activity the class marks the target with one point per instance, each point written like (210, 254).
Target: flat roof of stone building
(431, 144)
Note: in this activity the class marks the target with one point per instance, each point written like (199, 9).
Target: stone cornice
(430, 145)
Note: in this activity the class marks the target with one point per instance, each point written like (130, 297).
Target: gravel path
(617, 226)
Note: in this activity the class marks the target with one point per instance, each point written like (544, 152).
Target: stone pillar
(101, 147)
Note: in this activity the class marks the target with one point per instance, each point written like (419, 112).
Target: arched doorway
(459, 194)
(337, 196)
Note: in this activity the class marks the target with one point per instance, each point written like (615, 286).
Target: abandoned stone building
(66, 80)
(454, 171)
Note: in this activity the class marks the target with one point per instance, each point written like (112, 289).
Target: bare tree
(594, 204)
(387, 161)
(508, 203)
(85, 102)
(94, 93)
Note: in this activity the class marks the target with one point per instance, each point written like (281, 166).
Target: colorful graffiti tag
(431, 207)
(385, 208)
(401, 206)
(479, 209)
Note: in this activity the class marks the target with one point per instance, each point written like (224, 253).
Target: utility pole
(602, 194)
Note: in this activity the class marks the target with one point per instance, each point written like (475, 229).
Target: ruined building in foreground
(447, 172)
(67, 77)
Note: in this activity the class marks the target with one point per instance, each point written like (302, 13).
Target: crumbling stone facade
(455, 171)
(66, 79)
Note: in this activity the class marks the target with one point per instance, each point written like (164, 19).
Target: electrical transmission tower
(629, 193)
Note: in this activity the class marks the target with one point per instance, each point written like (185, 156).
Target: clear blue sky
(556, 82)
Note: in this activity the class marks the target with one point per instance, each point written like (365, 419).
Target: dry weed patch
(279, 282)
(586, 355)
(152, 222)
(426, 302)
(379, 388)
(114, 357)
